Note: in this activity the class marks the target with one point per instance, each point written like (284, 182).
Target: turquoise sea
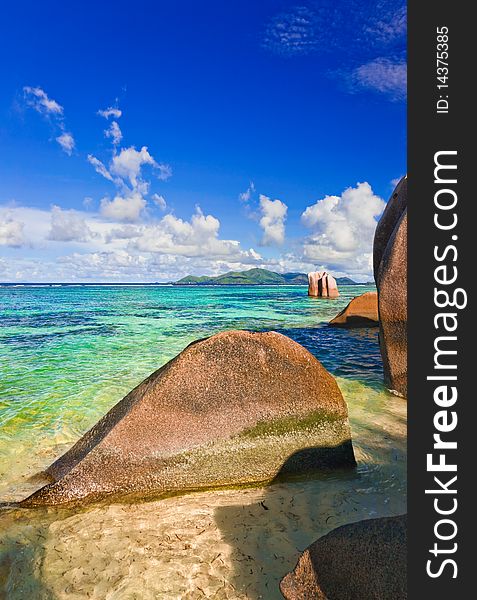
(69, 353)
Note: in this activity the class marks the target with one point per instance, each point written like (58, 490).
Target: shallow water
(68, 354)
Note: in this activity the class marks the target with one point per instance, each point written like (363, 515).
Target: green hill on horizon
(255, 276)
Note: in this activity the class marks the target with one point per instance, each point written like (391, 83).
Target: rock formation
(230, 409)
(322, 284)
(390, 271)
(362, 561)
(362, 311)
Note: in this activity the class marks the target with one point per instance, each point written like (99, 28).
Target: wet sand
(234, 544)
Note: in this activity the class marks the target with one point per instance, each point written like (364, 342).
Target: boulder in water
(322, 285)
(362, 311)
(231, 409)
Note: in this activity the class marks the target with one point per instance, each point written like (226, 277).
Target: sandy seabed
(234, 544)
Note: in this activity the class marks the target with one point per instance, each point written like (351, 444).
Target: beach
(69, 354)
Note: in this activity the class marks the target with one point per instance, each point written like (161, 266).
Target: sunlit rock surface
(236, 408)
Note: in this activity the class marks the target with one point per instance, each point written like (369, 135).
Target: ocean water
(68, 354)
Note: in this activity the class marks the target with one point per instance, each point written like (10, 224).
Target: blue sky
(146, 141)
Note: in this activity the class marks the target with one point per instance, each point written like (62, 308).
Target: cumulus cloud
(123, 208)
(114, 132)
(68, 226)
(38, 99)
(161, 250)
(110, 112)
(198, 237)
(342, 229)
(22, 226)
(11, 232)
(129, 162)
(272, 222)
(382, 75)
(125, 170)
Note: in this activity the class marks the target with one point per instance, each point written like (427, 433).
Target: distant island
(255, 277)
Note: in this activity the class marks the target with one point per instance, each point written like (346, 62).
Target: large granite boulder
(396, 206)
(362, 561)
(230, 409)
(390, 268)
(322, 285)
(362, 311)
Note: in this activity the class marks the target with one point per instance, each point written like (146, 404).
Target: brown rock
(362, 311)
(230, 409)
(332, 287)
(396, 206)
(390, 256)
(313, 279)
(323, 285)
(362, 561)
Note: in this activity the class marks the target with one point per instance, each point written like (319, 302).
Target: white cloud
(129, 162)
(159, 201)
(247, 195)
(382, 75)
(125, 171)
(125, 232)
(67, 142)
(38, 99)
(395, 181)
(99, 167)
(163, 171)
(272, 222)
(114, 132)
(124, 265)
(33, 223)
(293, 32)
(197, 238)
(388, 26)
(343, 229)
(123, 208)
(11, 232)
(110, 112)
(68, 226)
(162, 250)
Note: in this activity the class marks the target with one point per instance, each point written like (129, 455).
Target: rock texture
(390, 271)
(362, 311)
(230, 409)
(322, 284)
(362, 561)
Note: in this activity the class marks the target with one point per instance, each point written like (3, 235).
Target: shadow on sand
(268, 536)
